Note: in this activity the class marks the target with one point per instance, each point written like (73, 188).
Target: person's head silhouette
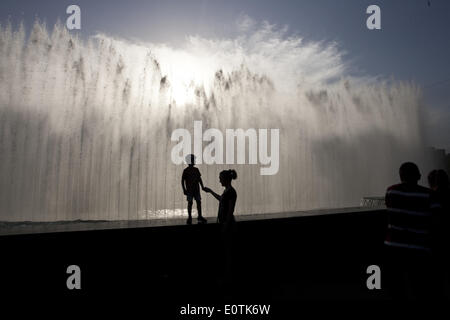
(409, 173)
(438, 179)
(190, 160)
(226, 176)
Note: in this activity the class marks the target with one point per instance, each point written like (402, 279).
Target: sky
(413, 43)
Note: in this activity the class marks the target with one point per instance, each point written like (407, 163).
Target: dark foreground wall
(295, 257)
(289, 259)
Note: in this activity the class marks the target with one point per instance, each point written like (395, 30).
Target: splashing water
(85, 125)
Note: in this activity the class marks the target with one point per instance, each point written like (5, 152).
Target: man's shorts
(195, 195)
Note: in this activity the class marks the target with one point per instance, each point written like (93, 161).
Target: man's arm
(201, 183)
(387, 199)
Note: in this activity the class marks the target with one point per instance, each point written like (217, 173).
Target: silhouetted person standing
(191, 181)
(408, 238)
(225, 216)
(440, 205)
(227, 200)
(440, 208)
(440, 197)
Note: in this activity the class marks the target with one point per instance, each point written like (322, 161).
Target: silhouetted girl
(225, 217)
(227, 200)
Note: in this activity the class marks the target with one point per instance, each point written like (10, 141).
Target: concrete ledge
(28, 227)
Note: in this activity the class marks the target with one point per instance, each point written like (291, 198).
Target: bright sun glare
(185, 72)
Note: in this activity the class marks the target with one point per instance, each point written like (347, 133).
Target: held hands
(208, 190)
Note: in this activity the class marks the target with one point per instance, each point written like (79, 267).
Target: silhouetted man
(440, 209)
(191, 181)
(408, 238)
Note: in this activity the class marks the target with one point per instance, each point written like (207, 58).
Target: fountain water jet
(85, 125)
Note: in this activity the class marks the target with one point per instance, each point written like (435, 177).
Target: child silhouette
(191, 181)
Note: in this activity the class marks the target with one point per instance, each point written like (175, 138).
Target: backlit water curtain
(85, 124)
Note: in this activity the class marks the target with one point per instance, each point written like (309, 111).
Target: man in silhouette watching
(191, 181)
(440, 209)
(408, 239)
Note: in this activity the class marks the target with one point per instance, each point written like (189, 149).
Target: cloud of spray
(264, 48)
